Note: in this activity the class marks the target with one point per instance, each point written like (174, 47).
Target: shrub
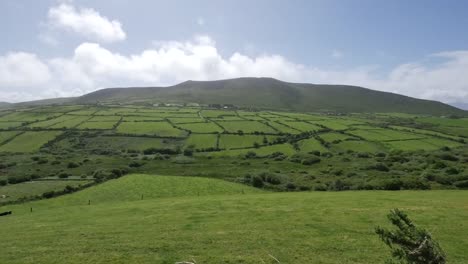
(461, 184)
(250, 155)
(392, 185)
(3, 182)
(379, 167)
(310, 160)
(18, 179)
(447, 156)
(72, 165)
(48, 195)
(410, 244)
(320, 187)
(63, 175)
(188, 152)
(290, 186)
(439, 165)
(135, 164)
(451, 171)
(363, 155)
(257, 181)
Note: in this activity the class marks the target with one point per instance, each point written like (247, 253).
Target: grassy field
(246, 126)
(261, 151)
(29, 141)
(6, 135)
(244, 141)
(163, 129)
(202, 141)
(211, 221)
(201, 127)
(28, 189)
(385, 149)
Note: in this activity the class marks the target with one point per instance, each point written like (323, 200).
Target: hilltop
(270, 93)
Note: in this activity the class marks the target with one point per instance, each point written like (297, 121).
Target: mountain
(51, 101)
(274, 94)
(4, 104)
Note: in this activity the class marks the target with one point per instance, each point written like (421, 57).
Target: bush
(451, 171)
(392, 185)
(18, 179)
(168, 151)
(48, 195)
(310, 161)
(379, 167)
(188, 152)
(135, 164)
(257, 181)
(63, 175)
(3, 182)
(250, 155)
(447, 156)
(72, 165)
(363, 155)
(290, 186)
(408, 243)
(320, 187)
(461, 184)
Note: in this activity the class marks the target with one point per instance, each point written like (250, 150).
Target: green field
(6, 135)
(29, 141)
(211, 221)
(261, 151)
(9, 124)
(163, 129)
(244, 141)
(201, 127)
(283, 128)
(330, 137)
(70, 122)
(125, 143)
(97, 125)
(301, 126)
(245, 126)
(29, 189)
(358, 146)
(311, 144)
(202, 141)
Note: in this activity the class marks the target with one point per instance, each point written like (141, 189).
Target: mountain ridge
(275, 94)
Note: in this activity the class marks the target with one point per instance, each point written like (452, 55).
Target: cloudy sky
(52, 48)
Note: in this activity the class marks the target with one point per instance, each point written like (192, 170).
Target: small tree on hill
(410, 244)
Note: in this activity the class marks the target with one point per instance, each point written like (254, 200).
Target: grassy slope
(294, 227)
(271, 93)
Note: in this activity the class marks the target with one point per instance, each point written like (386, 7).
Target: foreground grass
(309, 227)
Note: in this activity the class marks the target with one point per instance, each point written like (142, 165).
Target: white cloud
(92, 66)
(21, 69)
(200, 21)
(336, 54)
(86, 22)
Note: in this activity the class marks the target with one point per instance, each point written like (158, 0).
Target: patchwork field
(29, 141)
(163, 129)
(305, 151)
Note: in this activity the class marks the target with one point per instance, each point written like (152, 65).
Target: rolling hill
(274, 94)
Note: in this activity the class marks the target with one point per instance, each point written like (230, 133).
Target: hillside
(4, 104)
(274, 94)
(301, 227)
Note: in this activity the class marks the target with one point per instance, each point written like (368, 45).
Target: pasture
(29, 141)
(158, 219)
(162, 129)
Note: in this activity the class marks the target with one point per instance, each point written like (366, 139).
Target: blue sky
(67, 48)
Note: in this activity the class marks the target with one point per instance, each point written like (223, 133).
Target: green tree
(410, 244)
